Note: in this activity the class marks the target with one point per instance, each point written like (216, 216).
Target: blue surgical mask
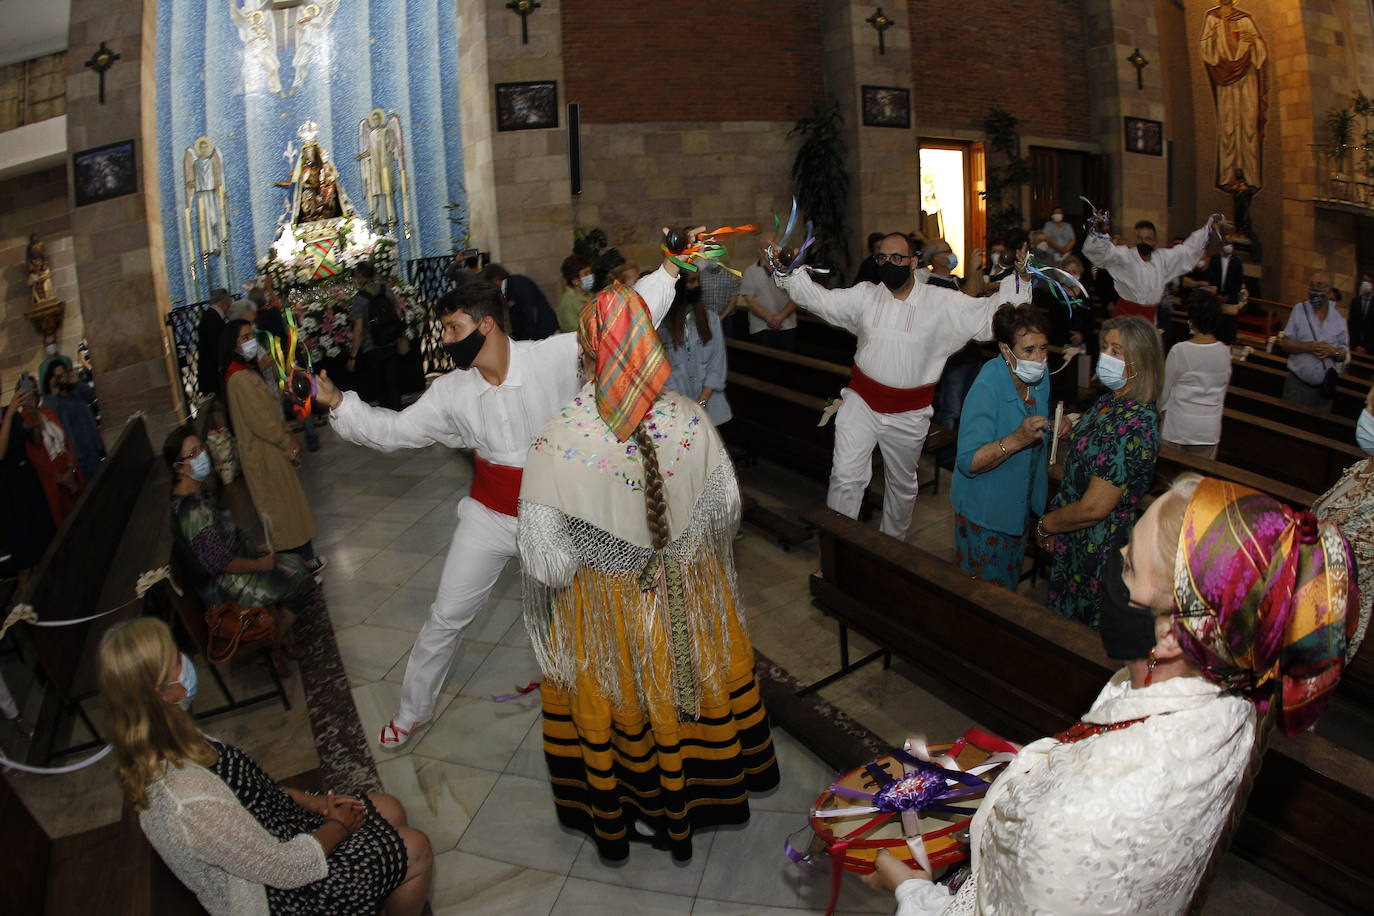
(188, 681)
(1364, 433)
(1028, 371)
(200, 466)
(953, 260)
(1111, 371)
(587, 282)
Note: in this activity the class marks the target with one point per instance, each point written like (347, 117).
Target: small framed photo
(1144, 136)
(527, 106)
(887, 106)
(104, 172)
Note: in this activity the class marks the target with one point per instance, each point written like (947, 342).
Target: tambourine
(916, 802)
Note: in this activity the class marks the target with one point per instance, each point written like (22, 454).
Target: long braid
(655, 505)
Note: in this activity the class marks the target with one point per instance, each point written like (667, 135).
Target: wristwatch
(702, 402)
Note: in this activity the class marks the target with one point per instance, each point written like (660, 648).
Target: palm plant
(820, 180)
(1008, 171)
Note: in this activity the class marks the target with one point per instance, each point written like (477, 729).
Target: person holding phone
(50, 449)
(25, 521)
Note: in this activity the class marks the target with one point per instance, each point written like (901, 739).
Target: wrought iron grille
(427, 276)
(184, 322)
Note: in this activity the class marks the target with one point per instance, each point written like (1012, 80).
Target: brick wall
(732, 60)
(34, 203)
(1026, 58)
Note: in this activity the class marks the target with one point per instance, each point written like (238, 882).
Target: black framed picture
(104, 172)
(1144, 136)
(527, 106)
(886, 106)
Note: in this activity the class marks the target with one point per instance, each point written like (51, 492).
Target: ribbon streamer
(519, 692)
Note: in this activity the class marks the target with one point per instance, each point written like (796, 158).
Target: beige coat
(265, 449)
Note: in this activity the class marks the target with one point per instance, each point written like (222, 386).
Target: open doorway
(951, 203)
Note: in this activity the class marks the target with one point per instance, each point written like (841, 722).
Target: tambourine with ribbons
(941, 784)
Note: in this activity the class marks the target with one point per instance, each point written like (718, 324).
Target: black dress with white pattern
(363, 870)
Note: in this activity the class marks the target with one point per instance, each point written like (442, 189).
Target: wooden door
(1044, 165)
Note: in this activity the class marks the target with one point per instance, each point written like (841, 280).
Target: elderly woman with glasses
(1223, 604)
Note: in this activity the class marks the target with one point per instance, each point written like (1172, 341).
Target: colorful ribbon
(519, 692)
(1051, 276)
(708, 249)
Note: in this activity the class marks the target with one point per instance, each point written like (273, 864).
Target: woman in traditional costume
(653, 723)
(1224, 603)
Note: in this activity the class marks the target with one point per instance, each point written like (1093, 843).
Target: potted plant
(820, 179)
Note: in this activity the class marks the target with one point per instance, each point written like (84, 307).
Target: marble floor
(475, 780)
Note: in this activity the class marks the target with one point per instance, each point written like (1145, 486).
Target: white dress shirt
(903, 343)
(1195, 380)
(461, 410)
(1141, 281)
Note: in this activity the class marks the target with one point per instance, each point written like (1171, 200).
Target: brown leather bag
(230, 625)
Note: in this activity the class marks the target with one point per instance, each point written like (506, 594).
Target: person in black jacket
(208, 376)
(1226, 273)
(530, 316)
(1361, 320)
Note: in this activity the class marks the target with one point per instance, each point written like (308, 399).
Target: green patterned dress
(213, 540)
(1117, 439)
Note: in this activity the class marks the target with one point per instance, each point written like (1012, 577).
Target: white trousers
(482, 544)
(900, 436)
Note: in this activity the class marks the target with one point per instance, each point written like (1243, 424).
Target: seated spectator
(25, 519)
(1196, 375)
(528, 312)
(772, 315)
(1059, 235)
(70, 401)
(941, 260)
(51, 452)
(1108, 469)
(1349, 504)
(1001, 473)
(577, 289)
(222, 561)
(240, 842)
(1040, 247)
(1317, 343)
(695, 347)
(1223, 603)
(868, 270)
(268, 452)
(1001, 262)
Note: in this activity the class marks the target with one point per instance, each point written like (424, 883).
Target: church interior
(551, 457)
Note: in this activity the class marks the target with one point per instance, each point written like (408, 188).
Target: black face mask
(1144, 249)
(894, 276)
(691, 295)
(465, 351)
(1127, 630)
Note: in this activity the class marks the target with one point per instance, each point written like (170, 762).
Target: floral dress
(1350, 505)
(213, 540)
(1117, 439)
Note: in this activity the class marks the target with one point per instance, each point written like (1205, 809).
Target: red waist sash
(497, 486)
(884, 399)
(1127, 307)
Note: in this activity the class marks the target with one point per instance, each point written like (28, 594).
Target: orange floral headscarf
(631, 367)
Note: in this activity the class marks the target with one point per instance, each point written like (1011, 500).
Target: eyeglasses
(898, 259)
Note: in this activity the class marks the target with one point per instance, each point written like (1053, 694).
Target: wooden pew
(1172, 462)
(1327, 425)
(1349, 401)
(1300, 458)
(1025, 671)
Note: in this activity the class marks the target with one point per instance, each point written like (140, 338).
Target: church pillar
(117, 243)
(1114, 29)
(519, 201)
(884, 190)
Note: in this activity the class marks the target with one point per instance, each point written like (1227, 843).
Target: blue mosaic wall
(398, 55)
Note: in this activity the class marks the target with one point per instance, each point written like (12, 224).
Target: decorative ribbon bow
(707, 248)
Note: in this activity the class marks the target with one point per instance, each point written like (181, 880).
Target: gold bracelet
(1002, 447)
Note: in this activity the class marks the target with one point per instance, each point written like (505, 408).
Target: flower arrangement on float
(326, 327)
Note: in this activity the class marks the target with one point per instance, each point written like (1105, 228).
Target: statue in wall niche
(40, 272)
(1235, 55)
(381, 150)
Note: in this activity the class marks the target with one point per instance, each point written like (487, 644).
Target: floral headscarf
(631, 367)
(1264, 593)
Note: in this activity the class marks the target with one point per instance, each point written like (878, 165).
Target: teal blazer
(1002, 498)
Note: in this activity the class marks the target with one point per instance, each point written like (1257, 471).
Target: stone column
(884, 190)
(1114, 29)
(519, 199)
(118, 242)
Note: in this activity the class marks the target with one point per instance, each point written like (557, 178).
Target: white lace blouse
(1120, 823)
(218, 849)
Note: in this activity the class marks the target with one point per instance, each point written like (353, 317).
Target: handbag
(223, 452)
(231, 625)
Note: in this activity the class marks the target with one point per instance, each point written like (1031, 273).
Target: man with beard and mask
(906, 331)
(1317, 342)
(495, 403)
(1141, 273)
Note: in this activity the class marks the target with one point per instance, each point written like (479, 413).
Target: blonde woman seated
(244, 845)
(1223, 599)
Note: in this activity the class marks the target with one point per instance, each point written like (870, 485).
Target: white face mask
(250, 350)
(1227, 249)
(1028, 370)
(1366, 288)
(586, 282)
(1111, 371)
(1057, 217)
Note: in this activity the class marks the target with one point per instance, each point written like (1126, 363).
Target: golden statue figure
(1235, 55)
(40, 273)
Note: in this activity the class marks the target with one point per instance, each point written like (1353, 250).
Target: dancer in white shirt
(906, 331)
(496, 403)
(1141, 273)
